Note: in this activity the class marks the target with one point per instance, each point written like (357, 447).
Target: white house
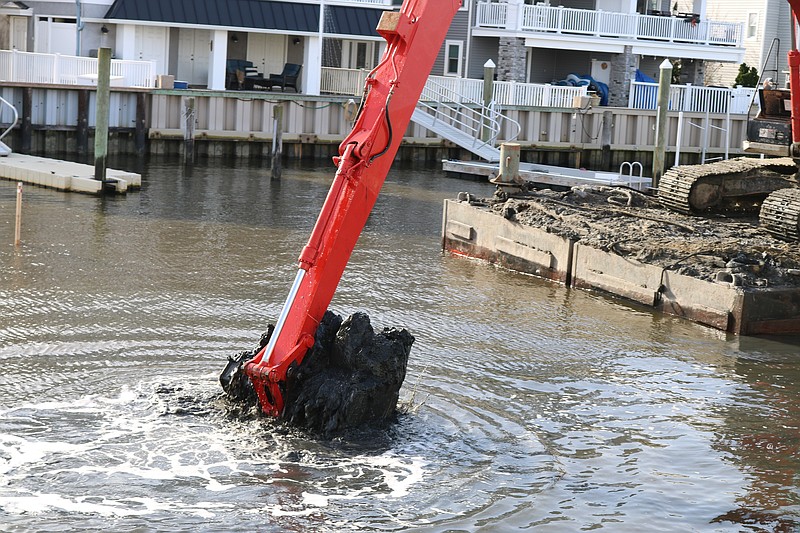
(766, 39)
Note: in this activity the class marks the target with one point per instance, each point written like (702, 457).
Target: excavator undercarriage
(746, 186)
(734, 186)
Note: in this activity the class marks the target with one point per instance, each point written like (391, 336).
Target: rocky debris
(634, 225)
(349, 379)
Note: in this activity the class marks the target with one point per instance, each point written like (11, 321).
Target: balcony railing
(596, 23)
(506, 93)
(27, 67)
(693, 99)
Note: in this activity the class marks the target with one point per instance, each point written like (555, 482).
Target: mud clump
(349, 379)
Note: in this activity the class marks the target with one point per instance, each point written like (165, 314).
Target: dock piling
(659, 153)
(18, 223)
(141, 128)
(82, 130)
(188, 131)
(102, 104)
(277, 142)
(26, 127)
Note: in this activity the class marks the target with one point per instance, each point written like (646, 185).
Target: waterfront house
(766, 39)
(541, 42)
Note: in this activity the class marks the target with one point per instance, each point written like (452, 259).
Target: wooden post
(18, 224)
(82, 131)
(27, 123)
(488, 93)
(659, 153)
(102, 103)
(277, 142)
(188, 131)
(141, 117)
(605, 139)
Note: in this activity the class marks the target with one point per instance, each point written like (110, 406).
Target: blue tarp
(590, 83)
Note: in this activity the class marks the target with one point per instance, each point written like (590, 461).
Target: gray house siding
(482, 49)
(548, 66)
(459, 31)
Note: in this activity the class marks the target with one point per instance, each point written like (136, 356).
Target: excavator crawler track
(780, 214)
(730, 186)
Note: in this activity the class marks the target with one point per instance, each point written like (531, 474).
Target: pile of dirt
(349, 379)
(631, 224)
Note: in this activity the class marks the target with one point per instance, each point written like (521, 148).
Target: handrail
(489, 116)
(16, 117)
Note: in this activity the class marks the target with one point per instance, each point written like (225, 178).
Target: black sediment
(349, 379)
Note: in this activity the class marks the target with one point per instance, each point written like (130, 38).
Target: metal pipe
(298, 280)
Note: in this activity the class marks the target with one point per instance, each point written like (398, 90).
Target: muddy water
(532, 406)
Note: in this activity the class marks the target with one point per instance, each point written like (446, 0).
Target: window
(453, 57)
(752, 25)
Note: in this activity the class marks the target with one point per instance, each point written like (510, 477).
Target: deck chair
(287, 78)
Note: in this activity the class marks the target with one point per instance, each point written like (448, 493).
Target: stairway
(461, 120)
(482, 149)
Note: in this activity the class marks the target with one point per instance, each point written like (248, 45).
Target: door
(151, 45)
(55, 36)
(193, 54)
(18, 34)
(267, 52)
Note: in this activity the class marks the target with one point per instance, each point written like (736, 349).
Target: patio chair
(287, 78)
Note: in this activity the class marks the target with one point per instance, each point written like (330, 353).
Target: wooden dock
(548, 175)
(65, 175)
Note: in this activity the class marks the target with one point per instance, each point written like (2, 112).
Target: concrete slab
(474, 231)
(63, 175)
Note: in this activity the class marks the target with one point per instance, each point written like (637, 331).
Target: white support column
(514, 15)
(218, 53)
(310, 76)
(701, 8)
(125, 47)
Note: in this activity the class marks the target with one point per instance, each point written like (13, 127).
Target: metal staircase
(5, 150)
(462, 120)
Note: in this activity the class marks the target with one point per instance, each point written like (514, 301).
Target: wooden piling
(82, 131)
(102, 104)
(605, 140)
(188, 131)
(26, 126)
(140, 137)
(277, 142)
(661, 122)
(18, 223)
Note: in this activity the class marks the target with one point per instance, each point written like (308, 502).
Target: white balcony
(610, 31)
(28, 67)
(350, 82)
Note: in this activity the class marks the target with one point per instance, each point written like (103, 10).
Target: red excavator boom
(794, 80)
(414, 37)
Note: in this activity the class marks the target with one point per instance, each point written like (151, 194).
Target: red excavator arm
(414, 35)
(794, 80)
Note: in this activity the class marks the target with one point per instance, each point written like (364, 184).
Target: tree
(747, 77)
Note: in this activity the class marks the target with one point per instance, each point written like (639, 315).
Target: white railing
(28, 67)
(461, 90)
(541, 18)
(693, 99)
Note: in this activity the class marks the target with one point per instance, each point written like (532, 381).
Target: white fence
(689, 98)
(541, 18)
(28, 67)
(506, 93)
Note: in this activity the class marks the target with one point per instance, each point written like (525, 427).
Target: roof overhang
(17, 9)
(239, 14)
